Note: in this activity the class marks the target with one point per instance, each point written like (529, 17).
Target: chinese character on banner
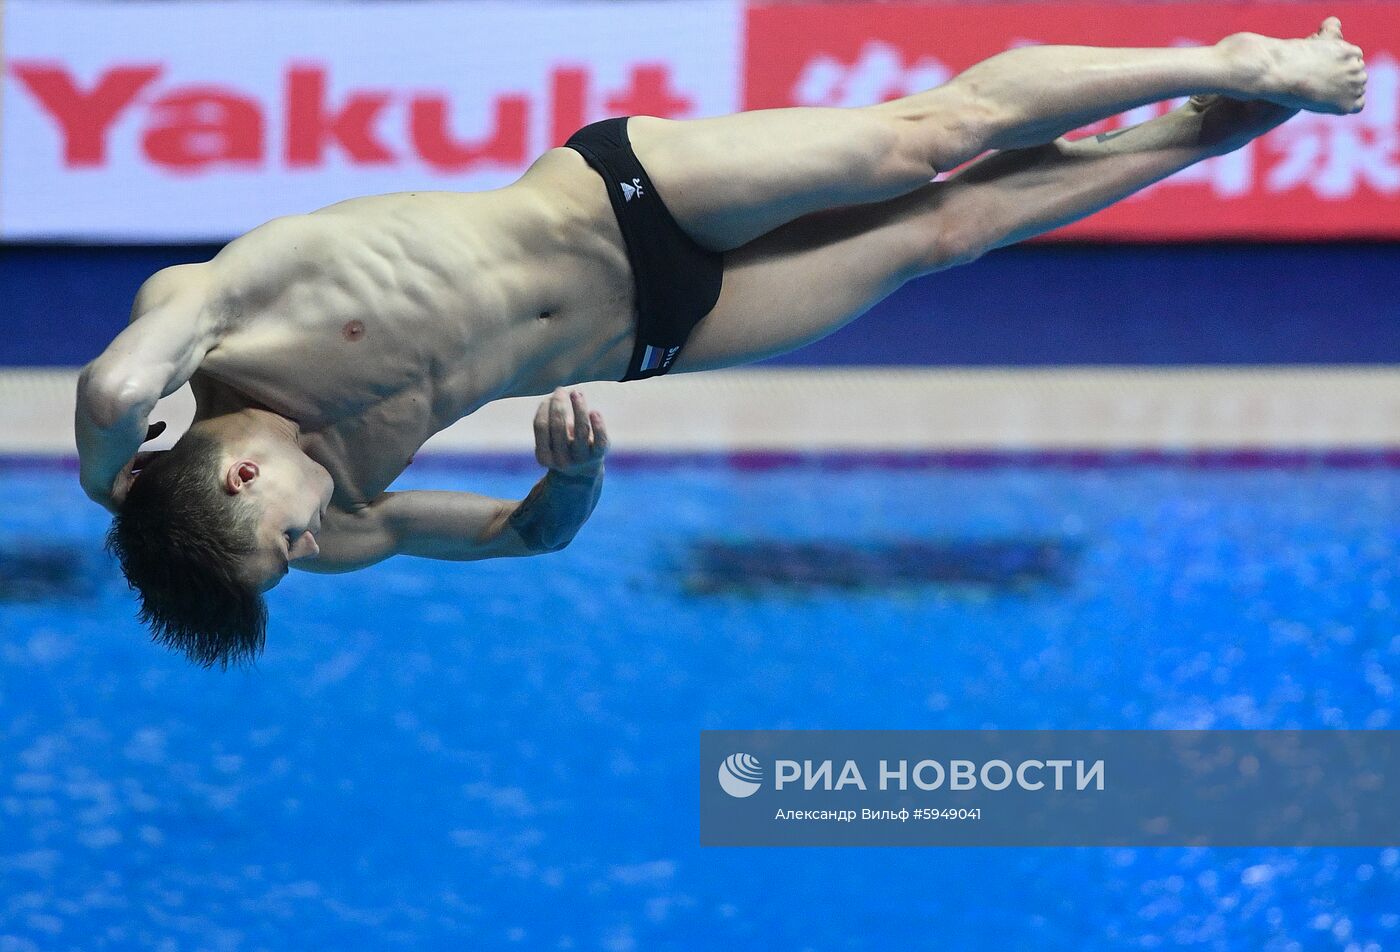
(879, 73)
(1334, 156)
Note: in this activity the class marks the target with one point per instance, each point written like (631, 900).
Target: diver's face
(291, 493)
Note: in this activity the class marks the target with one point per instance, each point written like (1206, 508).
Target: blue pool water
(504, 754)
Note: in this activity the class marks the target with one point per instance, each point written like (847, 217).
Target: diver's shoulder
(297, 234)
(170, 283)
(269, 258)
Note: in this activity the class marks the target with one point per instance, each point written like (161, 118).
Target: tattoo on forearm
(555, 508)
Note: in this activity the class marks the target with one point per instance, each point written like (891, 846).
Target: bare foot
(1321, 73)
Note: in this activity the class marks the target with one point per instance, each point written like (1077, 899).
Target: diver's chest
(358, 366)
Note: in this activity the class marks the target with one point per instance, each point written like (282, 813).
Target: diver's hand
(569, 439)
(122, 485)
(571, 442)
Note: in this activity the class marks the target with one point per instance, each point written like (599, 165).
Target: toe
(1332, 27)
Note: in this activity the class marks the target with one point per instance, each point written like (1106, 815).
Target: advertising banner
(1314, 177)
(159, 121)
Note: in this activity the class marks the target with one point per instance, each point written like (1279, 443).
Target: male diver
(324, 349)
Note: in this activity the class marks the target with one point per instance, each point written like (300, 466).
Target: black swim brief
(677, 281)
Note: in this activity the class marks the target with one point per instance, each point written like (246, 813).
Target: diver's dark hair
(179, 538)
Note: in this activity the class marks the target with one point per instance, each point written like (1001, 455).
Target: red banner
(1314, 177)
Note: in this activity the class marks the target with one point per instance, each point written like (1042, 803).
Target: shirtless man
(324, 349)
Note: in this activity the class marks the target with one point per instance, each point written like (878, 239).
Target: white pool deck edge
(882, 409)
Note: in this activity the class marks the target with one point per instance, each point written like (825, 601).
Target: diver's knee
(951, 242)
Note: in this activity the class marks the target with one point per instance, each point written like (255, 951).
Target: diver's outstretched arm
(461, 527)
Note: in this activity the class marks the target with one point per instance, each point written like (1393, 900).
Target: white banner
(184, 122)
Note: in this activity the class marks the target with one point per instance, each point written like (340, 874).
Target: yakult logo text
(199, 121)
(196, 126)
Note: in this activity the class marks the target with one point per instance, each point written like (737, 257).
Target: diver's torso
(378, 321)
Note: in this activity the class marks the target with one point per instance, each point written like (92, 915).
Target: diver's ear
(240, 474)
